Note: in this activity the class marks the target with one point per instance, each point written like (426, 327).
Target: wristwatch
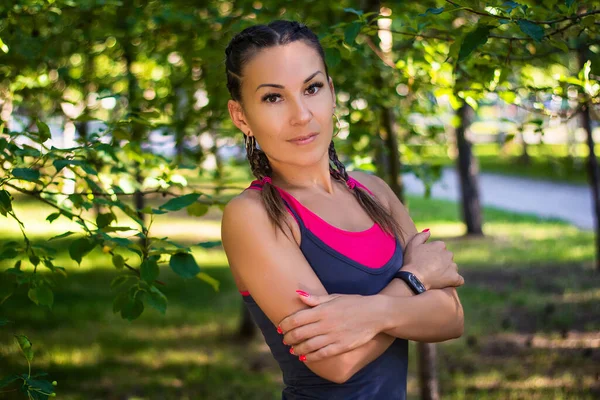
(412, 281)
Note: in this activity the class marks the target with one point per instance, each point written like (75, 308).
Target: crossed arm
(255, 250)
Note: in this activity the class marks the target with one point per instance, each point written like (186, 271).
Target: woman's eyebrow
(281, 86)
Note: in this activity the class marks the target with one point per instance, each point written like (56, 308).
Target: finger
(314, 300)
(305, 332)
(331, 350)
(460, 281)
(440, 244)
(419, 238)
(299, 318)
(312, 345)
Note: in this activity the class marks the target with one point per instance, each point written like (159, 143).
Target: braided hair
(240, 50)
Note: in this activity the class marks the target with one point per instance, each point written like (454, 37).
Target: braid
(261, 168)
(370, 204)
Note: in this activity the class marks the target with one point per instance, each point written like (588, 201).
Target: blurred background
(117, 156)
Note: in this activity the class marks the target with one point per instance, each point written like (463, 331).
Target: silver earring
(250, 143)
(337, 124)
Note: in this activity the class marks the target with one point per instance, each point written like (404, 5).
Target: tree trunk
(467, 171)
(592, 162)
(428, 371)
(394, 168)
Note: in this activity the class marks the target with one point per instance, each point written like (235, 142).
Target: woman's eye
(314, 88)
(271, 98)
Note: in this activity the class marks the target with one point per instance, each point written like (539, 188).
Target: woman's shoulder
(375, 184)
(248, 202)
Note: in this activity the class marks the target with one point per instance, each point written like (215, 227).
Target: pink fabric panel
(372, 247)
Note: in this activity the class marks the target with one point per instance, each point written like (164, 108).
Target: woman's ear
(236, 112)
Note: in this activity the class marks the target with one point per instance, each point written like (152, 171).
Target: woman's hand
(335, 324)
(431, 262)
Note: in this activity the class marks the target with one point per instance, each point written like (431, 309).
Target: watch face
(417, 284)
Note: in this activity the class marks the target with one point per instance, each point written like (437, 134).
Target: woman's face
(286, 97)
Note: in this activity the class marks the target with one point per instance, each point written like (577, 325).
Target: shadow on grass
(94, 354)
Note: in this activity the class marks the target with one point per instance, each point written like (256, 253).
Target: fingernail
(284, 342)
(291, 350)
(302, 358)
(426, 230)
(302, 293)
(279, 330)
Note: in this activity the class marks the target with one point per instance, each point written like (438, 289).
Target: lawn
(547, 161)
(531, 300)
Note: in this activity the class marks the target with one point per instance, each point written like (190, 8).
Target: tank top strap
(352, 181)
(287, 199)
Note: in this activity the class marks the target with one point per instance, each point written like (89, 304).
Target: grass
(547, 161)
(531, 303)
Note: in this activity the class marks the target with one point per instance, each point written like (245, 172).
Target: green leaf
(26, 174)
(473, 40)
(43, 131)
(184, 265)
(332, 57)
(50, 218)
(62, 235)
(8, 380)
(118, 261)
(353, 11)
(532, 30)
(180, 202)
(44, 296)
(210, 244)
(9, 254)
(157, 300)
(197, 209)
(120, 301)
(119, 280)
(38, 386)
(8, 285)
(569, 3)
(434, 11)
(103, 220)
(25, 345)
(210, 280)
(510, 6)
(132, 309)
(61, 163)
(79, 248)
(149, 270)
(34, 260)
(5, 202)
(559, 44)
(351, 32)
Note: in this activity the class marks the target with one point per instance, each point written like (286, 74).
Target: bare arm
(272, 268)
(402, 311)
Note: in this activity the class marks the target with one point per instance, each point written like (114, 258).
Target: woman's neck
(314, 176)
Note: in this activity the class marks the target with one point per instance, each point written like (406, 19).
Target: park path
(568, 202)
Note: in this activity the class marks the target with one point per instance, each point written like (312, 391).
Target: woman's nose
(301, 114)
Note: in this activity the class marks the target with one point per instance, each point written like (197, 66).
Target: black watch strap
(411, 280)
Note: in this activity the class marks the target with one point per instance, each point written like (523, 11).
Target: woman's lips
(305, 140)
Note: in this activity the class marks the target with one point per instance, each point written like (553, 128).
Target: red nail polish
(284, 342)
(291, 350)
(279, 330)
(426, 230)
(302, 293)
(302, 358)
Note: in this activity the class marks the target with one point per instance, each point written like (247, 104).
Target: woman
(308, 228)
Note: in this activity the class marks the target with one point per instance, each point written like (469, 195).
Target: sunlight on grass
(93, 352)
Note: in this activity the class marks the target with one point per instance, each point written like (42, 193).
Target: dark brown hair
(240, 50)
